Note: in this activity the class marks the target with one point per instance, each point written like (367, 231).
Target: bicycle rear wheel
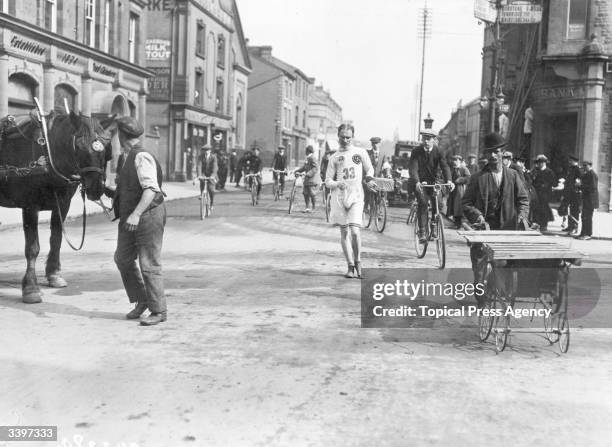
(276, 191)
(420, 247)
(440, 242)
(381, 215)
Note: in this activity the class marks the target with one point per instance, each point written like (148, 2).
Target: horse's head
(81, 147)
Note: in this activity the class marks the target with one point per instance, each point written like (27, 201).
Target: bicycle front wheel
(381, 215)
(368, 213)
(440, 242)
(420, 247)
(203, 206)
(292, 198)
(254, 193)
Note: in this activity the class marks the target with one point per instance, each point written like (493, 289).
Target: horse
(43, 172)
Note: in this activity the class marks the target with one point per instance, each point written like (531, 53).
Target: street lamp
(428, 121)
(493, 102)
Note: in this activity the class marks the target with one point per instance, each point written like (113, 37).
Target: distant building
(196, 49)
(462, 132)
(278, 106)
(324, 116)
(89, 53)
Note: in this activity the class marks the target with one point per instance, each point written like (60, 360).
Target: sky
(367, 55)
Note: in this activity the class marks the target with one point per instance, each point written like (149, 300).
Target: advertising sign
(521, 12)
(157, 49)
(159, 85)
(485, 10)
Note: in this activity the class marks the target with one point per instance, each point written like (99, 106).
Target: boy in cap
(461, 177)
(139, 205)
(544, 179)
(590, 199)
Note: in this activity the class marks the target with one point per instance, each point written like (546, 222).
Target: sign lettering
(521, 12)
(159, 85)
(101, 69)
(157, 49)
(159, 5)
(27, 46)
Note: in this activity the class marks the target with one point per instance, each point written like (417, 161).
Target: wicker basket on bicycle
(384, 184)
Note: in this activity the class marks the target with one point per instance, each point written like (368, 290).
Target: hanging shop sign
(521, 12)
(485, 10)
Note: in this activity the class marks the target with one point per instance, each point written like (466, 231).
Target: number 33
(348, 174)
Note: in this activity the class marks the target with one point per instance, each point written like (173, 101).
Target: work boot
(422, 237)
(153, 318)
(137, 311)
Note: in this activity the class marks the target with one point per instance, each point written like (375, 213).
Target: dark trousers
(574, 214)
(211, 191)
(222, 177)
(281, 180)
(423, 198)
(143, 281)
(238, 176)
(232, 174)
(587, 222)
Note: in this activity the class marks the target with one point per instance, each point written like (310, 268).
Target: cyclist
(346, 169)
(241, 167)
(312, 179)
(253, 165)
(374, 154)
(208, 166)
(279, 163)
(425, 161)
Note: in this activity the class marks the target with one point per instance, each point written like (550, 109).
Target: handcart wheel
(564, 333)
(501, 334)
(421, 248)
(551, 328)
(485, 322)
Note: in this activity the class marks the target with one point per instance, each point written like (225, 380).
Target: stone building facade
(561, 69)
(278, 106)
(89, 53)
(198, 93)
(324, 117)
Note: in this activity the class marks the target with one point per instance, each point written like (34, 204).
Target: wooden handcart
(524, 268)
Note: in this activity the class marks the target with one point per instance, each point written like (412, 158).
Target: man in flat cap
(425, 160)
(139, 206)
(544, 179)
(570, 204)
(590, 199)
(472, 164)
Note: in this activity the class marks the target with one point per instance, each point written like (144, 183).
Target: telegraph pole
(423, 32)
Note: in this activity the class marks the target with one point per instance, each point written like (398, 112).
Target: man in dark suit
(544, 179)
(425, 160)
(572, 195)
(233, 162)
(496, 195)
(590, 199)
(208, 167)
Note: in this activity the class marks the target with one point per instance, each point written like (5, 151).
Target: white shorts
(342, 216)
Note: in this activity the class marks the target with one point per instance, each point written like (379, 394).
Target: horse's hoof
(32, 298)
(56, 281)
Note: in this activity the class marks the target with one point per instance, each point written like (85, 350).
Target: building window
(90, 22)
(219, 97)
(132, 38)
(50, 14)
(297, 116)
(21, 92)
(221, 51)
(304, 119)
(107, 27)
(4, 6)
(199, 87)
(577, 19)
(239, 119)
(200, 39)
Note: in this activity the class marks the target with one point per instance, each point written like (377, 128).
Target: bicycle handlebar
(279, 171)
(251, 175)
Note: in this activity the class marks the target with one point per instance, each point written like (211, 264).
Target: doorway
(559, 140)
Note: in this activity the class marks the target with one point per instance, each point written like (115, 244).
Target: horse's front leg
(53, 270)
(29, 286)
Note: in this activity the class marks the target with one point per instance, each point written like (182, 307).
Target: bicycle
(293, 190)
(434, 228)
(205, 205)
(276, 186)
(253, 182)
(376, 209)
